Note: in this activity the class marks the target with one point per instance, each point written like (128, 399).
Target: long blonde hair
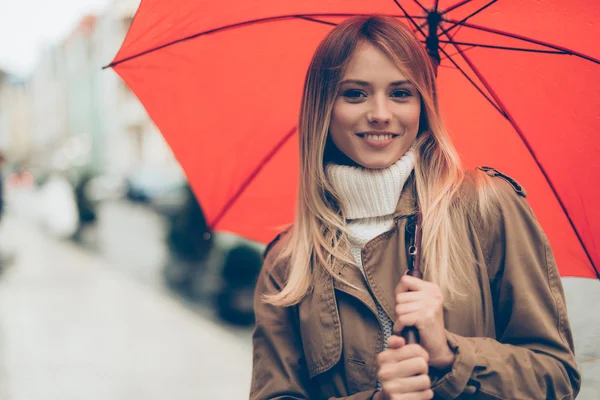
(318, 237)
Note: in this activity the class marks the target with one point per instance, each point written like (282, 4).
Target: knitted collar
(367, 193)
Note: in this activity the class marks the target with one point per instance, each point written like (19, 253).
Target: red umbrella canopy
(518, 86)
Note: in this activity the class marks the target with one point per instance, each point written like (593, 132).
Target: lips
(378, 135)
(377, 140)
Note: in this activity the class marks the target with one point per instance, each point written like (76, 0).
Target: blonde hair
(318, 234)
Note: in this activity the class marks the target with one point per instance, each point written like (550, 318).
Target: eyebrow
(364, 83)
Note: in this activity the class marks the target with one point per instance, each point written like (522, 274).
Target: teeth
(378, 137)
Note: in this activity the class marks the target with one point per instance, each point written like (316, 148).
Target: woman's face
(376, 113)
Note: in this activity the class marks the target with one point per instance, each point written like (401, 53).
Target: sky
(26, 26)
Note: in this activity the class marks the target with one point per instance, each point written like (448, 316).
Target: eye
(354, 94)
(401, 93)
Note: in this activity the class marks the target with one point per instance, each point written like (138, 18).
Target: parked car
(219, 268)
(234, 301)
(148, 183)
(189, 240)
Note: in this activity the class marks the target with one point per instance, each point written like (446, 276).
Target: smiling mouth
(377, 137)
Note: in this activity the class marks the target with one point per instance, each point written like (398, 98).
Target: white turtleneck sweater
(368, 199)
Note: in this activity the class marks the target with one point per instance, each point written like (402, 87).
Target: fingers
(395, 342)
(408, 297)
(406, 308)
(426, 394)
(411, 319)
(408, 282)
(402, 371)
(413, 384)
(405, 353)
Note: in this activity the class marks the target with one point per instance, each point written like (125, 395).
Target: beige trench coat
(511, 335)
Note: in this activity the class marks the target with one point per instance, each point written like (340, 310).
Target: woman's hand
(402, 371)
(420, 304)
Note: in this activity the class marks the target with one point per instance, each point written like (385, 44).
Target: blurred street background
(111, 284)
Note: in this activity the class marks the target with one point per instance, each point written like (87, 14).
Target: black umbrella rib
(467, 17)
(526, 39)
(530, 149)
(489, 46)
(472, 82)
(251, 177)
(412, 21)
(435, 10)
(226, 27)
(464, 19)
(320, 21)
(454, 7)
(317, 21)
(453, 54)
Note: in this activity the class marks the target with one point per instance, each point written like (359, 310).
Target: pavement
(72, 326)
(79, 323)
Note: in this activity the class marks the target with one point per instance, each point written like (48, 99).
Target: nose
(379, 112)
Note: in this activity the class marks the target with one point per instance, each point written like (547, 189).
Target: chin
(376, 164)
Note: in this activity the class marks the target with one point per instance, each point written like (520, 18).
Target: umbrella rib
(410, 19)
(320, 21)
(222, 28)
(251, 177)
(467, 17)
(489, 46)
(531, 152)
(526, 39)
(472, 82)
(586, 219)
(454, 7)
(455, 53)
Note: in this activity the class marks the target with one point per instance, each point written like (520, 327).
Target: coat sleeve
(532, 357)
(279, 369)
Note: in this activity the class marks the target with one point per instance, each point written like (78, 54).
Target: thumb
(395, 342)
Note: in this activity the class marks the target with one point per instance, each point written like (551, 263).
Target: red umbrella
(518, 82)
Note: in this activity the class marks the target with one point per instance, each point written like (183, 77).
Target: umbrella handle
(410, 333)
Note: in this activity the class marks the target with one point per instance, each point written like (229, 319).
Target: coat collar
(407, 203)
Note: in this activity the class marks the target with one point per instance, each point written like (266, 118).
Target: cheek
(343, 117)
(410, 117)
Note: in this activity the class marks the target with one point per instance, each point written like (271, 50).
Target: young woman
(332, 296)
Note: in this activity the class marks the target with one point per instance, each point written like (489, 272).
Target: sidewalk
(72, 327)
(583, 298)
(75, 326)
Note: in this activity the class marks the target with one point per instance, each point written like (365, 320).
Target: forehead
(371, 64)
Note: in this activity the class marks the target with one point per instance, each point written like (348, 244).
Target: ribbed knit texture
(370, 192)
(369, 198)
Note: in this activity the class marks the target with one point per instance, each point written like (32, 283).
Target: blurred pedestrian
(332, 300)
(5, 259)
(86, 208)
(2, 172)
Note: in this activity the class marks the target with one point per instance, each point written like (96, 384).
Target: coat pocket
(363, 340)
(320, 327)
